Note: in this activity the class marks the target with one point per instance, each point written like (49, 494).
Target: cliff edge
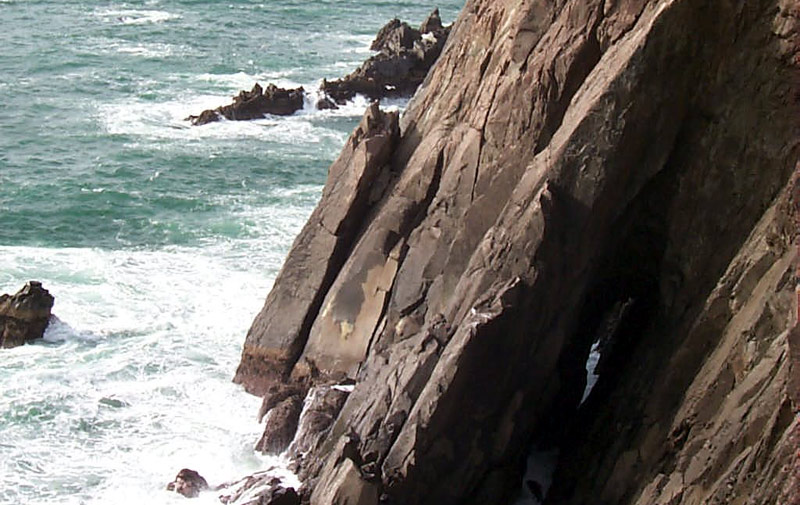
(572, 177)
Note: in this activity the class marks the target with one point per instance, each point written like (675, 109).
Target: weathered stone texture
(561, 160)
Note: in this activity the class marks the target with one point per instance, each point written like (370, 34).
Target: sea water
(158, 240)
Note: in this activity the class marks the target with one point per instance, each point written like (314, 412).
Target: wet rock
(280, 425)
(320, 409)
(325, 103)
(255, 104)
(403, 60)
(25, 315)
(261, 488)
(189, 483)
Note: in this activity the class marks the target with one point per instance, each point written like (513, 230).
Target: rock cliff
(621, 173)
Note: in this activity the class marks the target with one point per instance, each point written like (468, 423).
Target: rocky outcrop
(25, 315)
(564, 166)
(405, 55)
(189, 483)
(255, 104)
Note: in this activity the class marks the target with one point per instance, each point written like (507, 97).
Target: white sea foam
(167, 120)
(136, 17)
(132, 381)
(242, 80)
(147, 50)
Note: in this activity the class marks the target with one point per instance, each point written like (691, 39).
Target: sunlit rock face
(568, 173)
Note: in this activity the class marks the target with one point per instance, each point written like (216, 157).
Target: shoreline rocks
(404, 57)
(255, 104)
(25, 315)
(189, 483)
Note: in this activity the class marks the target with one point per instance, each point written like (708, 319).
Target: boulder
(255, 104)
(25, 315)
(189, 483)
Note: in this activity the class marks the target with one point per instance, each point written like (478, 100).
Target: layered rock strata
(565, 164)
(25, 315)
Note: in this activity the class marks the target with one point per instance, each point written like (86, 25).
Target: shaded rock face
(320, 409)
(189, 483)
(255, 104)
(568, 172)
(280, 426)
(405, 55)
(25, 315)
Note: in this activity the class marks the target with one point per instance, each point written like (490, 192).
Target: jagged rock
(568, 171)
(403, 61)
(394, 37)
(255, 104)
(261, 488)
(320, 409)
(280, 426)
(325, 103)
(189, 483)
(25, 315)
(432, 24)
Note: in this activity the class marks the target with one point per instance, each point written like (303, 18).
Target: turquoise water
(159, 241)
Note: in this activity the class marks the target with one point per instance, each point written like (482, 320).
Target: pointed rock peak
(432, 24)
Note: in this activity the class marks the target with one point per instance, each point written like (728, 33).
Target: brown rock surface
(562, 160)
(25, 315)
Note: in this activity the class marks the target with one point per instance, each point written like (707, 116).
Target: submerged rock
(189, 483)
(25, 315)
(255, 104)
